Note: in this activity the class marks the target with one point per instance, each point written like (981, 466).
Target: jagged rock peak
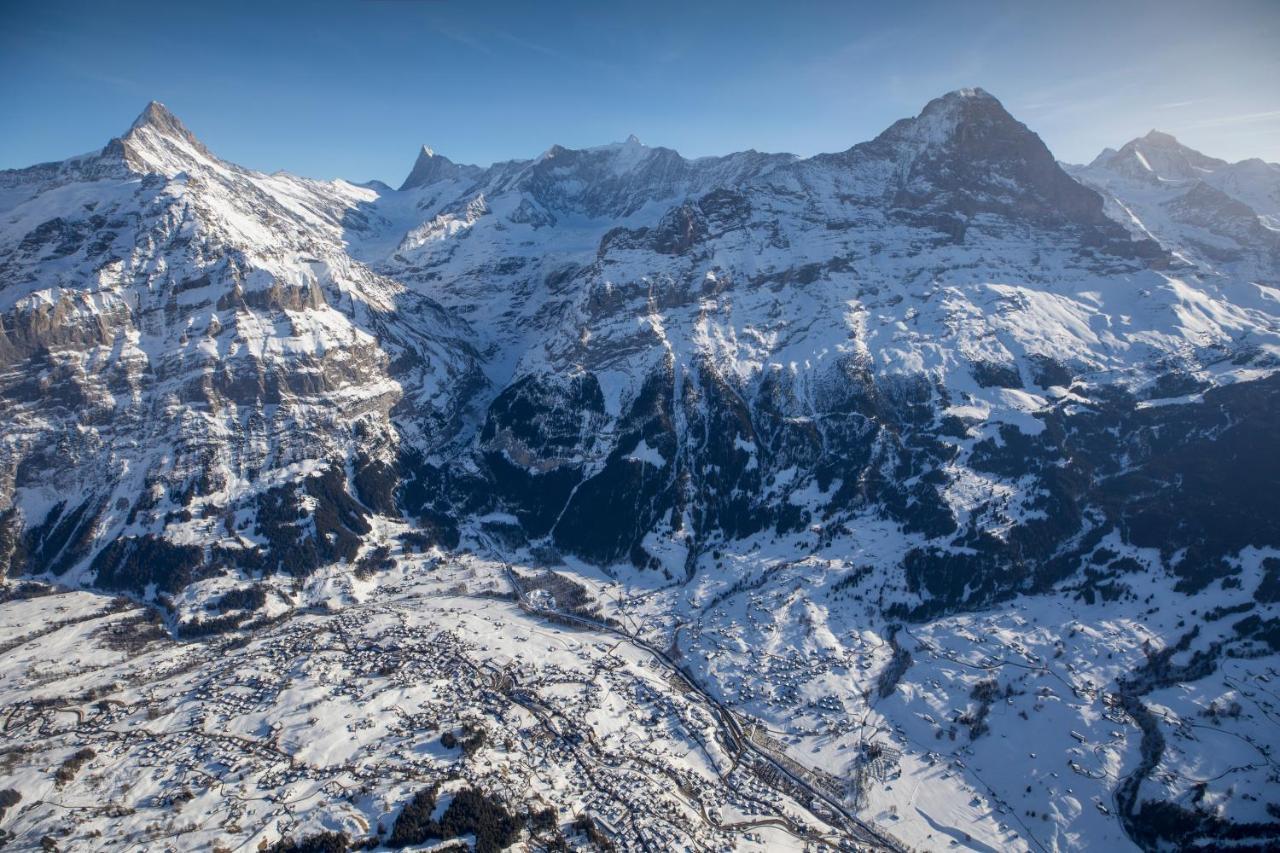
(963, 113)
(631, 147)
(431, 167)
(158, 142)
(157, 115)
(970, 121)
(964, 154)
(966, 106)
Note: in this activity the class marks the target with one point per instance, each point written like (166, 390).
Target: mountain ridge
(962, 160)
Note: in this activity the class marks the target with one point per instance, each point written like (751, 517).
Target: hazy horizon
(353, 90)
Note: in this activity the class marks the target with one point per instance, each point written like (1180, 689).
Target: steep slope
(184, 344)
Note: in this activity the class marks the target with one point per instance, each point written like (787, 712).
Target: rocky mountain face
(938, 354)
(629, 356)
(184, 342)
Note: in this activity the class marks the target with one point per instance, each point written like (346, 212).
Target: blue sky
(351, 89)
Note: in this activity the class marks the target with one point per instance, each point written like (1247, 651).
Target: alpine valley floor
(716, 715)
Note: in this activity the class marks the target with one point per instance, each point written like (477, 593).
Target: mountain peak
(965, 154)
(158, 120)
(975, 93)
(156, 115)
(971, 100)
(943, 117)
(431, 167)
(1103, 156)
(158, 142)
(1157, 156)
(962, 116)
(1159, 137)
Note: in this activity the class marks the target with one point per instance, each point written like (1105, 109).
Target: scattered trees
(72, 765)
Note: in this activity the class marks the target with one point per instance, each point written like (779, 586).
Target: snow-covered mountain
(1212, 214)
(182, 336)
(938, 369)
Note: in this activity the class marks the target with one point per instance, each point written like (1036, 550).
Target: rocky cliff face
(181, 337)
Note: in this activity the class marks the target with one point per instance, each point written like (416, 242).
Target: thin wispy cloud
(534, 46)
(464, 39)
(1243, 118)
(555, 53)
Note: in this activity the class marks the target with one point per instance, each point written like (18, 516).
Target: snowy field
(997, 730)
